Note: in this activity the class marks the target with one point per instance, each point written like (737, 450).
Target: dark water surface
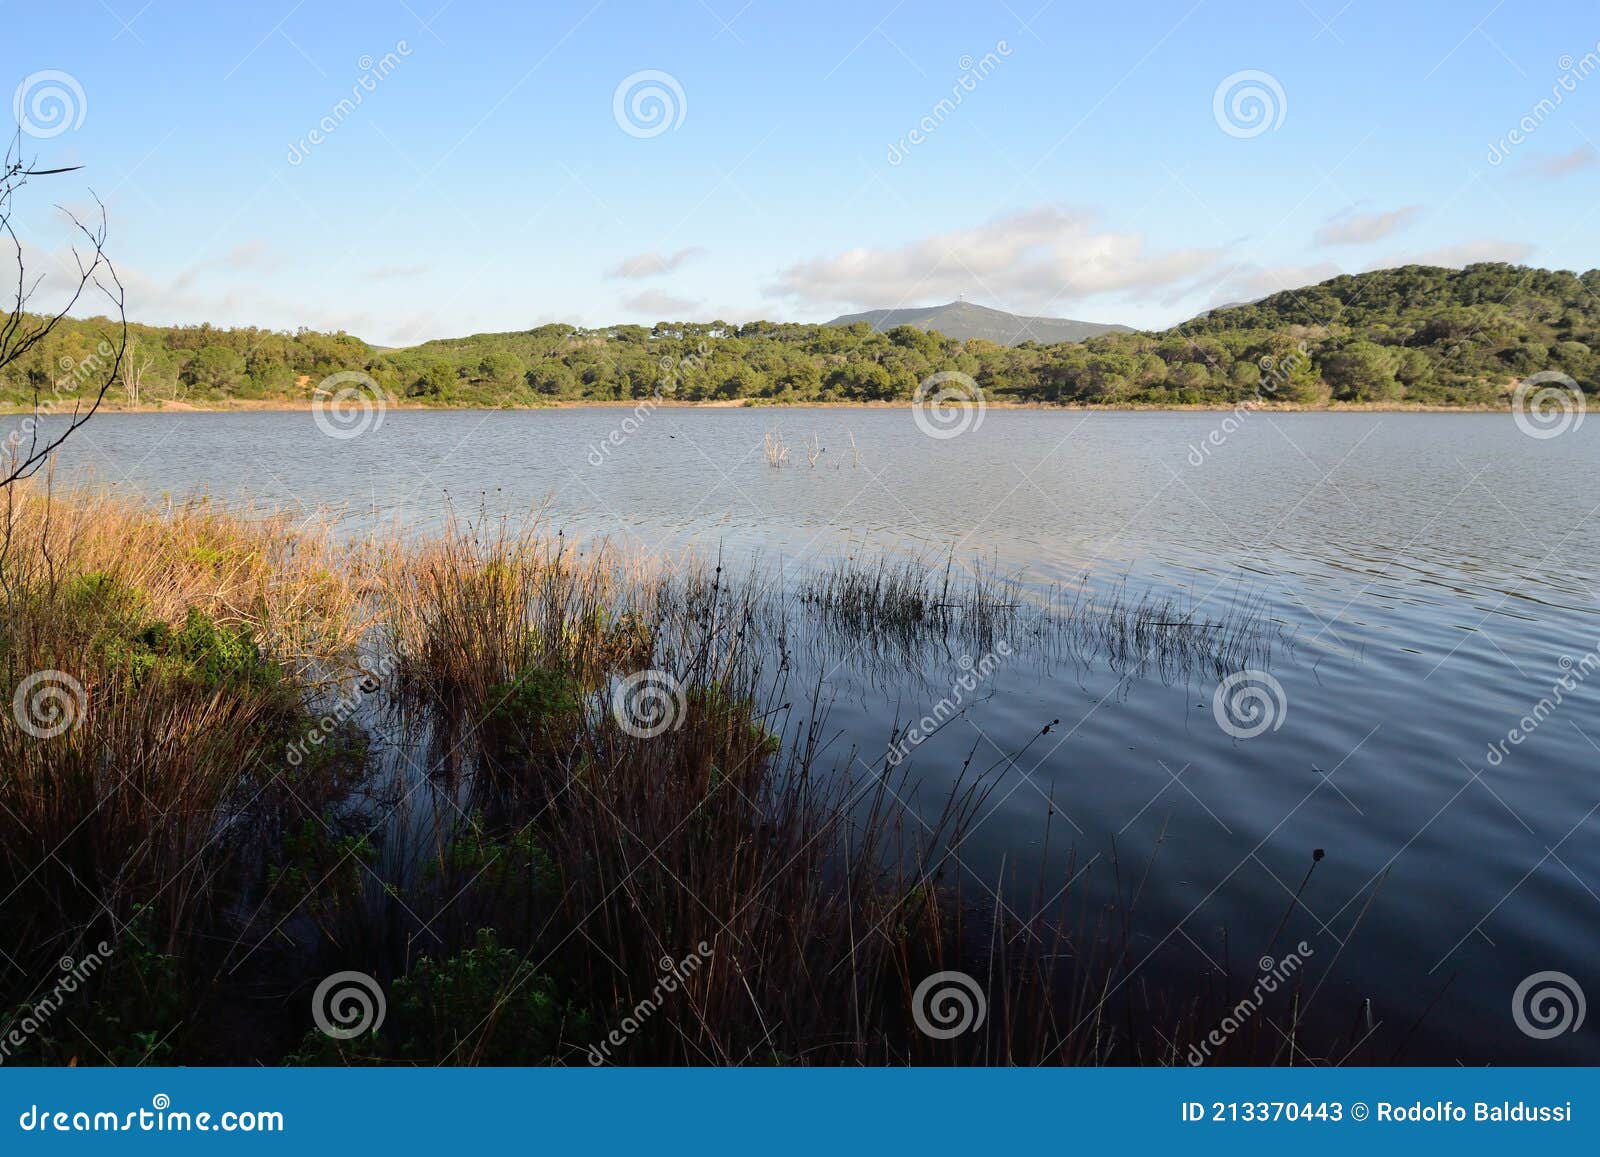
(1433, 577)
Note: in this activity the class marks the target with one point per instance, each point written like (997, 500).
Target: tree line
(1413, 334)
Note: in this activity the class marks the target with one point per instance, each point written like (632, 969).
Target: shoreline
(288, 406)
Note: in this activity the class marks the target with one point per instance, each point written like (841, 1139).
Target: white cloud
(653, 264)
(1463, 253)
(1347, 227)
(1032, 259)
(1250, 283)
(1582, 157)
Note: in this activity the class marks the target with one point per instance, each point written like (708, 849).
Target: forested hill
(1391, 299)
(1414, 334)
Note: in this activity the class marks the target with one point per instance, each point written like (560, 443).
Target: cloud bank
(1030, 260)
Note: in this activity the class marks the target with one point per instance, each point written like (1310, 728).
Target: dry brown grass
(171, 653)
(290, 584)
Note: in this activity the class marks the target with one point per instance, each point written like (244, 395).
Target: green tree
(436, 381)
(1363, 372)
(552, 379)
(501, 366)
(214, 367)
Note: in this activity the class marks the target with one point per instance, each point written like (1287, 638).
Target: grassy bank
(555, 805)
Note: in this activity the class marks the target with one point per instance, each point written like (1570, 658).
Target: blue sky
(486, 183)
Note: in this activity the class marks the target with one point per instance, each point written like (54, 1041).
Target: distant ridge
(962, 319)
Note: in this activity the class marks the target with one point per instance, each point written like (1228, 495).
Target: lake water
(1433, 577)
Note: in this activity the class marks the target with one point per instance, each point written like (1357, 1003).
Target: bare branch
(29, 446)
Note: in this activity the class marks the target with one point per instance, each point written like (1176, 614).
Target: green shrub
(485, 1005)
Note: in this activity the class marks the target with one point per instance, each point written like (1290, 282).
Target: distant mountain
(962, 319)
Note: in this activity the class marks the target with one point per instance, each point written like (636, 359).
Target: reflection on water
(1427, 580)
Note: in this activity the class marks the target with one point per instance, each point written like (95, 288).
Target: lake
(1426, 580)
